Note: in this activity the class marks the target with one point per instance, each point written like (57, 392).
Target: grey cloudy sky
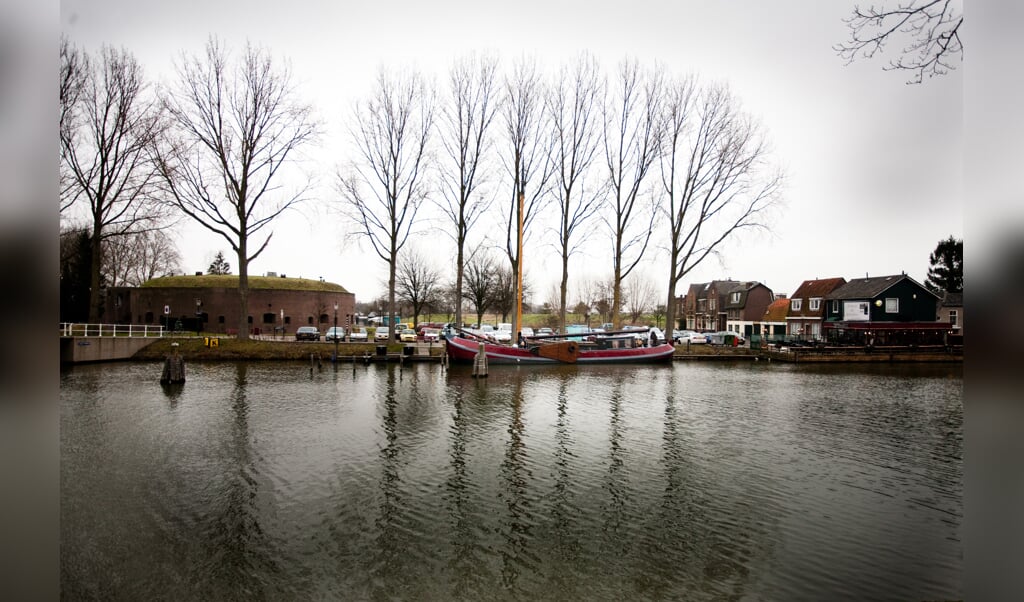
(873, 164)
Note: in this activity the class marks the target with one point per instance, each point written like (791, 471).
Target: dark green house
(883, 310)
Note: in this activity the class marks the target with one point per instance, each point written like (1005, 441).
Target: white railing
(74, 329)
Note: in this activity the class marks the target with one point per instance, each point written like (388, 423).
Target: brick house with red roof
(773, 323)
(807, 307)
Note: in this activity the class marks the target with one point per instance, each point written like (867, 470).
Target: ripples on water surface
(694, 481)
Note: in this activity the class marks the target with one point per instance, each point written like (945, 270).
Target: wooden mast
(519, 267)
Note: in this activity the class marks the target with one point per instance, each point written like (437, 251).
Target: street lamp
(335, 333)
(199, 315)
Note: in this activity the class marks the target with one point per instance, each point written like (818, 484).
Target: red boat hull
(464, 350)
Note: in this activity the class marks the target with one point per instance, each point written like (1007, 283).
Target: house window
(892, 305)
(287, 319)
(250, 319)
(149, 317)
(953, 318)
(794, 328)
(835, 306)
(220, 319)
(735, 297)
(268, 318)
(711, 304)
(796, 304)
(815, 304)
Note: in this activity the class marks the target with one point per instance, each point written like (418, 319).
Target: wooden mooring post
(174, 368)
(480, 363)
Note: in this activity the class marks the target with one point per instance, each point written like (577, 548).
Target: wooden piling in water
(174, 368)
(480, 363)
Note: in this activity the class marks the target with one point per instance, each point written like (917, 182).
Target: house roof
(952, 299)
(777, 311)
(869, 288)
(817, 288)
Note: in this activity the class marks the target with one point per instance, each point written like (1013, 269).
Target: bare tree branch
(929, 30)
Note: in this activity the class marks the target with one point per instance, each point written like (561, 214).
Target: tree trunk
(95, 302)
(391, 295)
(459, 266)
(563, 292)
(243, 293)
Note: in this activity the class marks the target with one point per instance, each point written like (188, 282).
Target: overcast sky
(874, 165)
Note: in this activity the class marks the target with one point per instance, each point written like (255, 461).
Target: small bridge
(104, 342)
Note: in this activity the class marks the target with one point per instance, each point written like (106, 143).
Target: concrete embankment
(75, 350)
(196, 349)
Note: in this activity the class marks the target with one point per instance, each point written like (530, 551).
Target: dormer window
(735, 298)
(796, 304)
(815, 304)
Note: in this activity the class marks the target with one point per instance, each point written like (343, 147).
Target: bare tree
(235, 126)
(640, 297)
(467, 116)
(418, 283)
(528, 159)
(106, 136)
(574, 111)
(929, 30)
(503, 295)
(632, 141)
(386, 184)
(716, 176)
(479, 284)
(133, 259)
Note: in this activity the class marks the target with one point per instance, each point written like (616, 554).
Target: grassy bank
(193, 348)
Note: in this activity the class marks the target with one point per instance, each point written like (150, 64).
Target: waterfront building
(807, 307)
(731, 305)
(884, 310)
(211, 303)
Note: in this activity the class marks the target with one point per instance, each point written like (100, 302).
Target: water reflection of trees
(517, 481)
(243, 559)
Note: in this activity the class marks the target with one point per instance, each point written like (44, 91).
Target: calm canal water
(695, 481)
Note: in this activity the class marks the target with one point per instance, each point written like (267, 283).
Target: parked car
(335, 333)
(689, 336)
(382, 334)
(502, 336)
(358, 334)
(545, 331)
(719, 338)
(526, 331)
(431, 335)
(407, 335)
(307, 333)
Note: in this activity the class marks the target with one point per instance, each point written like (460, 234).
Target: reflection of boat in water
(595, 350)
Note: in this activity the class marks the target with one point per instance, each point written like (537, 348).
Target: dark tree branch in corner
(929, 29)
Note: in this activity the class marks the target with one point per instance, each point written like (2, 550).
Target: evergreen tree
(946, 267)
(75, 261)
(219, 265)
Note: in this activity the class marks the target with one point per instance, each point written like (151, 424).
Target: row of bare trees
(626, 160)
(577, 146)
